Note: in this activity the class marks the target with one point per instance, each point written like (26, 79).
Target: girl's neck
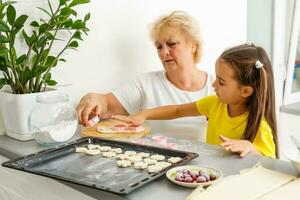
(235, 110)
(188, 80)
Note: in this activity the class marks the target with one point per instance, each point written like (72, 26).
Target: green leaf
(21, 59)
(50, 36)
(51, 82)
(34, 24)
(43, 28)
(3, 51)
(62, 60)
(3, 82)
(40, 70)
(20, 20)
(3, 26)
(26, 37)
(77, 24)
(41, 41)
(65, 11)
(87, 17)
(50, 61)
(48, 76)
(62, 2)
(73, 44)
(77, 35)
(68, 23)
(3, 39)
(11, 14)
(78, 2)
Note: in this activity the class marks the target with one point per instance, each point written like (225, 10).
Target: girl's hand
(137, 119)
(243, 147)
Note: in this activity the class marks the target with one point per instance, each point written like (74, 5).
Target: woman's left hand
(243, 147)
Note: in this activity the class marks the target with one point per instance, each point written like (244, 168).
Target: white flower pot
(15, 111)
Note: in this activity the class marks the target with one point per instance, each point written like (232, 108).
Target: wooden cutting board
(92, 131)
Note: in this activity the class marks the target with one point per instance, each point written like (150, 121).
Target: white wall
(118, 46)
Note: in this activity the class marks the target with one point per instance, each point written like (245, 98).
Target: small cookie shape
(153, 168)
(140, 165)
(93, 146)
(150, 161)
(104, 148)
(116, 150)
(123, 163)
(108, 154)
(157, 157)
(163, 164)
(134, 158)
(130, 153)
(92, 152)
(81, 150)
(174, 159)
(143, 154)
(122, 156)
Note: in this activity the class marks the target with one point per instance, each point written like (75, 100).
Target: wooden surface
(92, 131)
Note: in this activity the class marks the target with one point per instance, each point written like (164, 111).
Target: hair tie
(258, 64)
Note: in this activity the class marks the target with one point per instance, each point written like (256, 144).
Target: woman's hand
(243, 147)
(136, 119)
(89, 105)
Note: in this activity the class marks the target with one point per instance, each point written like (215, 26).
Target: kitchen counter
(160, 188)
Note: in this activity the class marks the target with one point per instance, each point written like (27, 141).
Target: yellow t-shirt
(220, 123)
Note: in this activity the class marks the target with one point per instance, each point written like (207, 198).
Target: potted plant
(26, 74)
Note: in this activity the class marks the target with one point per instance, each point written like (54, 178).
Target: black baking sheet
(62, 162)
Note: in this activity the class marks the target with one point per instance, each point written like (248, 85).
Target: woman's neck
(188, 80)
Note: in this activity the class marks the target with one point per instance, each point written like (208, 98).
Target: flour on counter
(60, 132)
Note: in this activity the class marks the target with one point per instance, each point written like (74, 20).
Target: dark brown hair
(244, 60)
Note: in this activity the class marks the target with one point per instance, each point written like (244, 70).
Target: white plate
(171, 174)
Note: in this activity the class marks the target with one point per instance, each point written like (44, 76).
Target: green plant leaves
(11, 14)
(20, 21)
(3, 26)
(3, 51)
(73, 44)
(77, 2)
(3, 39)
(3, 82)
(51, 82)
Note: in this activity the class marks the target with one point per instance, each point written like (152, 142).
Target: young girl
(241, 116)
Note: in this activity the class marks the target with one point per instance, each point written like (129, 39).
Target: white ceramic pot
(15, 110)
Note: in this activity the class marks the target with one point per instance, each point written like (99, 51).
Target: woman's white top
(153, 89)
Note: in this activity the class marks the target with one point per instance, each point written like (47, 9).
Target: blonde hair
(183, 21)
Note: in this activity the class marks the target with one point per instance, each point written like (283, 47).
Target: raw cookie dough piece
(122, 156)
(123, 163)
(116, 150)
(143, 154)
(81, 150)
(130, 153)
(163, 164)
(157, 157)
(134, 158)
(154, 168)
(104, 148)
(140, 165)
(108, 154)
(174, 159)
(93, 146)
(92, 152)
(150, 161)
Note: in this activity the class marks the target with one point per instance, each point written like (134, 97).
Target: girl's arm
(161, 113)
(243, 147)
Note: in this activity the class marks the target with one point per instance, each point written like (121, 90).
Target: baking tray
(62, 162)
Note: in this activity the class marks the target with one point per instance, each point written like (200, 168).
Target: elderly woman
(177, 40)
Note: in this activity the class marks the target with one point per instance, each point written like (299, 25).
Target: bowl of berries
(194, 176)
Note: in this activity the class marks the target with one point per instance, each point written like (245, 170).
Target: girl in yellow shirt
(241, 116)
